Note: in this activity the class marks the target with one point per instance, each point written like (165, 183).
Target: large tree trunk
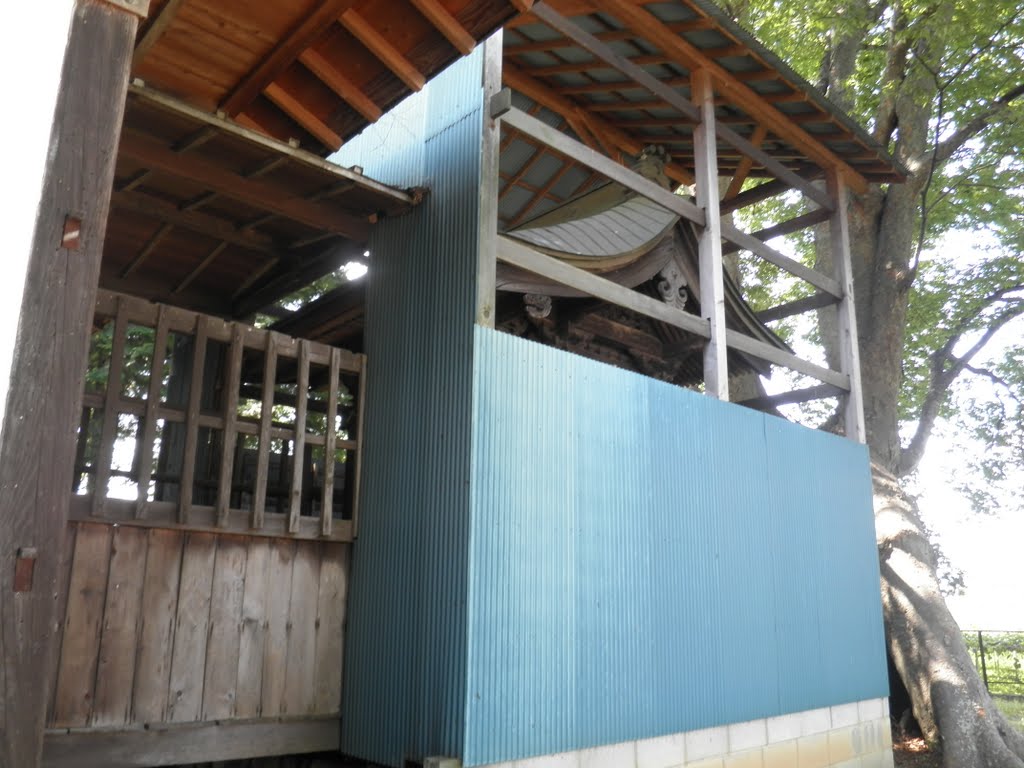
(949, 700)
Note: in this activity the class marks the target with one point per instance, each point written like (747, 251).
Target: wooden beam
(399, 197)
(155, 30)
(513, 252)
(804, 395)
(379, 46)
(762, 351)
(301, 114)
(303, 35)
(194, 221)
(163, 744)
(446, 24)
(675, 99)
(709, 240)
(653, 30)
(45, 353)
(329, 75)
(796, 307)
(585, 156)
(259, 194)
(556, 102)
(756, 139)
(490, 157)
(759, 248)
(157, 237)
(849, 344)
(787, 227)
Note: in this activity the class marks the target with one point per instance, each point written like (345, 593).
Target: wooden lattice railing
(217, 425)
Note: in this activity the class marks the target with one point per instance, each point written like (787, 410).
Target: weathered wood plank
(195, 394)
(46, 345)
(330, 633)
(275, 646)
(253, 629)
(156, 632)
(360, 419)
(185, 694)
(266, 417)
(63, 590)
(121, 618)
(156, 375)
(108, 432)
(202, 743)
(299, 443)
(76, 676)
(330, 438)
(220, 684)
(300, 674)
(227, 460)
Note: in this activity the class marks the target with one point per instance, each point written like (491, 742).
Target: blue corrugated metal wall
(646, 560)
(404, 687)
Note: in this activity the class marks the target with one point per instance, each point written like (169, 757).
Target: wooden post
(489, 156)
(47, 358)
(712, 289)
(849, 346)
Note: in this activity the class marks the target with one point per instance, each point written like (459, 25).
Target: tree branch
(946, 367)
(995, 378)
(976, 125)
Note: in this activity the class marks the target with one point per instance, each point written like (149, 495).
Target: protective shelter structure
(472, 506)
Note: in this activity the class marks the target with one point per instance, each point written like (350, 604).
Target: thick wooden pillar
(712, 289)
(46, 357)
(486, 300)
(849, 346)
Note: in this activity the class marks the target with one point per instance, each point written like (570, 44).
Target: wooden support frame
(672, 97)
(709, 240)
(490, 156)
(86, 105)
(379, 46)
(279, 352)
(849, 345)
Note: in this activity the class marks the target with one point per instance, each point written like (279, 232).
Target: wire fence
(999, 657)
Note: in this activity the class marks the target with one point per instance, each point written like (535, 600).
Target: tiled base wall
(853, 735)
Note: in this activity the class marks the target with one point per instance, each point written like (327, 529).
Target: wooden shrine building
(518, 495)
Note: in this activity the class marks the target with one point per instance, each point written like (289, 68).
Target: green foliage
(958, 66)
(1004, 660)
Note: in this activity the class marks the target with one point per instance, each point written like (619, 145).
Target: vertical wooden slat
(357, 472)
(195, 394)
(487, 248)
(330, 633)
(108, 434)
(299, 444)
(156, 634)
(120, 635)
(275, 647)
(76, 676)
(849, 345)
(185, 695)
(300, 680)
(266, 419)
(227, 458)
(63, 590)
(156, 376)
(253, 628)
(330, 443)
(222, 648)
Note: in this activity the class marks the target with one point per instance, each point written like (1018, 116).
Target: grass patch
(1012, 708)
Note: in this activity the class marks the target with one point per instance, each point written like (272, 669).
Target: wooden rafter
(283, 55)
(155, 30)
(754, 104)
(445, 23)
(551, 99)
(147, 250)
(608, 36)
(301, 114)
(318, 64)
(379, 46)
(259, 194)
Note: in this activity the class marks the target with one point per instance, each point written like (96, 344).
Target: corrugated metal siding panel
(646, 560)
(404, 692)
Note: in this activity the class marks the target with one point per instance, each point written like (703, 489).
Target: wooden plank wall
(177, 626)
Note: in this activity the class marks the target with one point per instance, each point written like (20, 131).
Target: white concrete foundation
(855, 735)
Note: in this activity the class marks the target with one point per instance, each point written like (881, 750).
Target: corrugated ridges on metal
(404, 688)
(646, 560)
